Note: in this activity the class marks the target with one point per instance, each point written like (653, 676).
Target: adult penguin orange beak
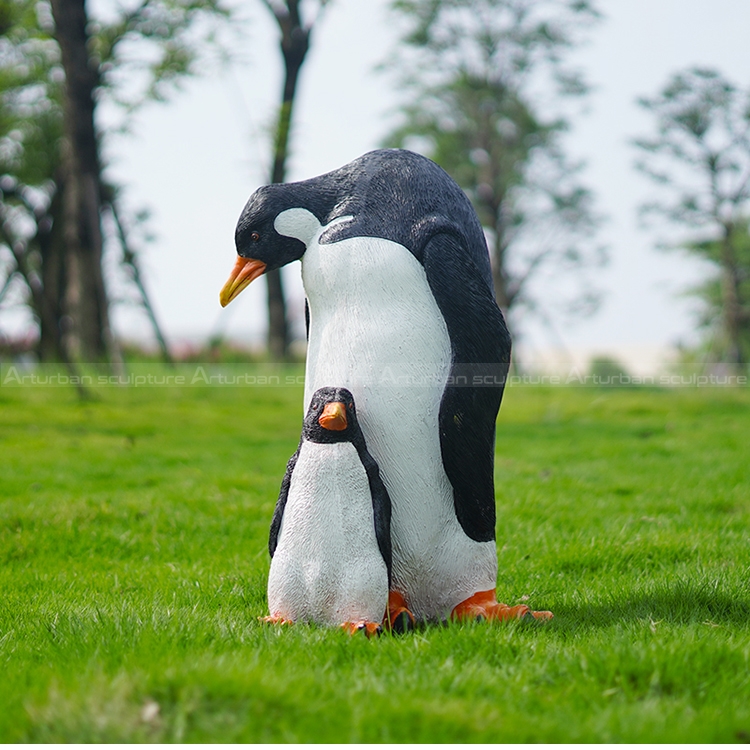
(244, 272)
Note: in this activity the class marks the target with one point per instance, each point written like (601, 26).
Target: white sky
(195, 161)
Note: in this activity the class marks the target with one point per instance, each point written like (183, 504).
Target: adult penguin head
(263, 239)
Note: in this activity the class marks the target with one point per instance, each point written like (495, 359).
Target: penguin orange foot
(398, 618)
(363, 626)
(484, 606)
(276, 620)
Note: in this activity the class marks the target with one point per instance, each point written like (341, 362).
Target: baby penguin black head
(332, 418)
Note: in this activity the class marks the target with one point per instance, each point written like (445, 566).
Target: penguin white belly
(327, 567)
(376, 329)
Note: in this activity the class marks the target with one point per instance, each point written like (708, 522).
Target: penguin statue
(402, 313)
(330, 540)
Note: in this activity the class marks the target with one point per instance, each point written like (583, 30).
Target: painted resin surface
(375, 328)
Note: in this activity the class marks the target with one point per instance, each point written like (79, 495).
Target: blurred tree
(700, 157)
(295, 43)
(56, 64)
(718, 347)
(607, 370)
(89, 336)
(475, 74)
(30, 155)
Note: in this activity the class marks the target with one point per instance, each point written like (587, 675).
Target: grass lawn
(133, 564)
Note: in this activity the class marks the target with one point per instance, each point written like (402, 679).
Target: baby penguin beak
(333, 416)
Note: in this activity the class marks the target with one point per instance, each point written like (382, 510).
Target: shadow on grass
(681, 602)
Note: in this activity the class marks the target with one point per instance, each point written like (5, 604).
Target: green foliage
(163, 39)
(139, 50)
(31, 81)
(471, 73)
(700, 154)
(31, 125)
(133, 557)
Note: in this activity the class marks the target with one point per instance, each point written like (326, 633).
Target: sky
(194, 162)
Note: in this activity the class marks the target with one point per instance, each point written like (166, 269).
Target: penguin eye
(254, 236)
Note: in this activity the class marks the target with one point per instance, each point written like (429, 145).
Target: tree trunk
(52, 252)
(87, 331)
(499, 276)
(42, 306)
(732, 313)
(503, 293)
(295, 41)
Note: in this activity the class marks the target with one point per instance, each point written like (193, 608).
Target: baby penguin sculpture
(330, 539)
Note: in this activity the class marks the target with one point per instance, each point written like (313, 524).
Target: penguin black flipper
(278, 512)
(381, 505)
(471, 400)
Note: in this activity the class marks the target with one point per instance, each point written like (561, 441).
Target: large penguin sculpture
(402, 313)
(330, 540)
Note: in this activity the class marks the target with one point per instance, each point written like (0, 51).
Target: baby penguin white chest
(327, 565)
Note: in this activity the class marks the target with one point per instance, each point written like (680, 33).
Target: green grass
(133, 563)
